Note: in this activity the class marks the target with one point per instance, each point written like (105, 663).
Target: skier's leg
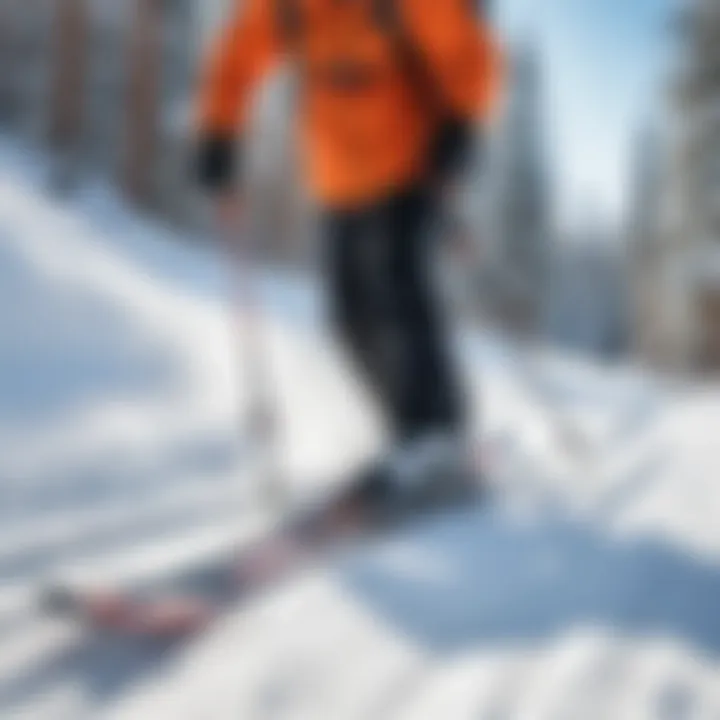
(353, 267)
(385, 309)
(431, 393)
(430, 462)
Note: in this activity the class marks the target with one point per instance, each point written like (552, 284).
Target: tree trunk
(141, 140)
(68, 76)
(7, 60)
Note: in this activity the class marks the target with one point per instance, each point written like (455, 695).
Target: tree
(69, 55)
(143, 95)
(7, 59)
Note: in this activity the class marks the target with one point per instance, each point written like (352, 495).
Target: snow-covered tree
(520, 195)
(694, 257)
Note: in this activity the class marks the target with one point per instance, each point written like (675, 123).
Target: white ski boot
(434, 472)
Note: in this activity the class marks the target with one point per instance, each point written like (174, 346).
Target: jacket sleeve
(240, 57)
(463, 61)
(461, 52)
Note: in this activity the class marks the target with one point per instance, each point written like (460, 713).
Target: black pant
(386, 311)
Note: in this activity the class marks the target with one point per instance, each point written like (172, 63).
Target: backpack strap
(388, 16)
(289, 21)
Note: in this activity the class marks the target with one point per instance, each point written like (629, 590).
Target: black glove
(452, 149)
(216, 162)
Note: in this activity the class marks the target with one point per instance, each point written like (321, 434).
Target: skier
(391, 94)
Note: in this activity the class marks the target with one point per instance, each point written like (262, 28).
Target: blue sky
(603, 62)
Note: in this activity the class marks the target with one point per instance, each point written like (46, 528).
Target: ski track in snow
(590, 590)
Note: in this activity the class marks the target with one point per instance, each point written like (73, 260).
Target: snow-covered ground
(590, 589)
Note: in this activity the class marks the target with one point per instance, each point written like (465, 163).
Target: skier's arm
(464, 59)
(238, 60)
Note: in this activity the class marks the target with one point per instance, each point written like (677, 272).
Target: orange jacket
(365, 129)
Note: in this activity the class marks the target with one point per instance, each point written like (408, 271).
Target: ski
(190, 602)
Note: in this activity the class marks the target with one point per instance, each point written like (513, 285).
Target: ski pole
(573, 442)
(261, 417)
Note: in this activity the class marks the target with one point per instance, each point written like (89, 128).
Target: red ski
(191, 603)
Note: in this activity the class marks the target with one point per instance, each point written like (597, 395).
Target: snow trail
(589, 591)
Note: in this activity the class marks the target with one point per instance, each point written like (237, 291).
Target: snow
(589, 590)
